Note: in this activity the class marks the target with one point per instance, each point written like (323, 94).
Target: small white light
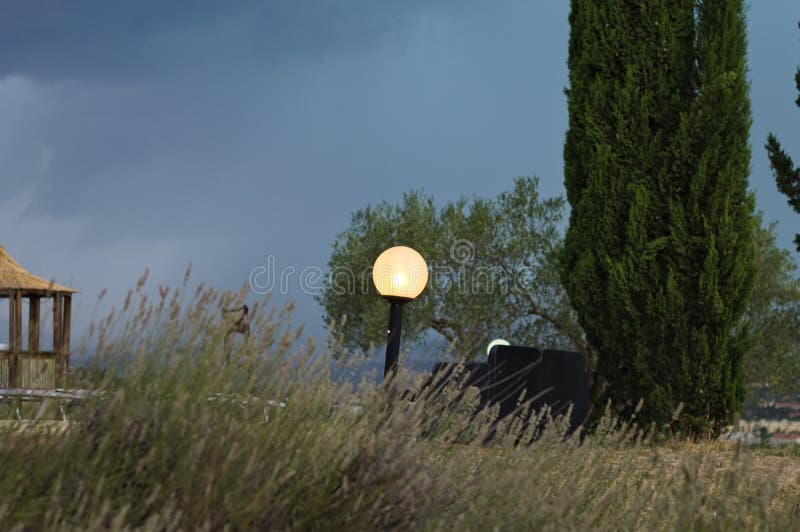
(493, 343)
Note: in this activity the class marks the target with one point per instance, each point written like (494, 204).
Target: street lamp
(400, 274)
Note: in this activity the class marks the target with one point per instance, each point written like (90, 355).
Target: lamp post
(400, 274)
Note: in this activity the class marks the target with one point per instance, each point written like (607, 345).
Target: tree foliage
(787, 176)
(773, 316)
(493, 272)
(658, 259)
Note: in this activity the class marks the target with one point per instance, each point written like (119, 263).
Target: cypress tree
(658, 258)
(787, 176)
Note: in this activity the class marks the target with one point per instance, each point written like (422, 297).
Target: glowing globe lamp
(400, 275)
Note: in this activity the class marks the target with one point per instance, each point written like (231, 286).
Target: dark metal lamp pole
(393, 334)
(400, 274)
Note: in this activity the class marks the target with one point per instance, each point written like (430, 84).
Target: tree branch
(444, 327)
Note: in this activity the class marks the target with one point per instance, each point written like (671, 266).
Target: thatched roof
(15, 277)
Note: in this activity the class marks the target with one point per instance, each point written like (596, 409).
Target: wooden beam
(57, 321)
(11, 327)
(12, 342)
(66, 323)
(38, 393)
(18, 319)
(13, 377)
(33, 324)
(65, 340)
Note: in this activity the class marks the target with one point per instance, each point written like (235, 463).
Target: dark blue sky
(154, 134)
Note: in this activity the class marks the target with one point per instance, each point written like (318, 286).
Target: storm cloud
(154, 134)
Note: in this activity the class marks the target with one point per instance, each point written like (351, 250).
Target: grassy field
(182, 441)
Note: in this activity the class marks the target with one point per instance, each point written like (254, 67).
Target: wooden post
(18, 338)
(12, 342)
(11, 328)
(33, 324)
(58, 322)
(66, 324)
(18, 319)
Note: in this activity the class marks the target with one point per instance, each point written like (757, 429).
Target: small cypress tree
(658, 257)
(787, 176)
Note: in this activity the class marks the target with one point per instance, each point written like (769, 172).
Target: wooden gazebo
(23, 364)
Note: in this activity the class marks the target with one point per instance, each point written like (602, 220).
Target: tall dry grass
(180, 441)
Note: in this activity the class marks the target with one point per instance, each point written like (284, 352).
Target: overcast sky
(153, 134)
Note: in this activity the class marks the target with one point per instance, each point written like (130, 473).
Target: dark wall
(551, 378)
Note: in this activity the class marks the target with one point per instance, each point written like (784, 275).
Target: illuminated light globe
(400, 273)
(493, 343)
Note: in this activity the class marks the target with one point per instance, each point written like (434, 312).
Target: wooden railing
(32, 369)
(43, 396)
(33, 354)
